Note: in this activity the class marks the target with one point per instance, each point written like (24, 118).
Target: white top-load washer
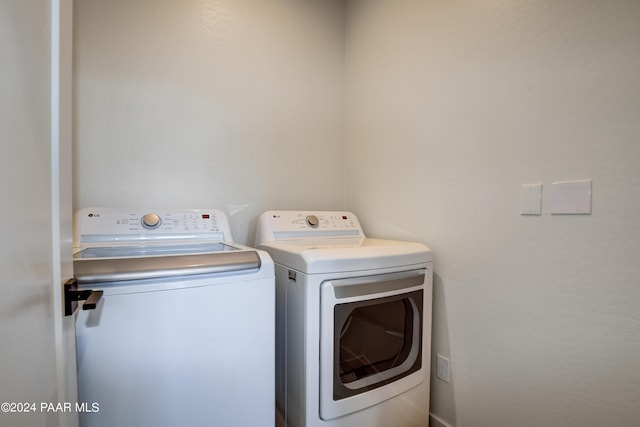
(184, 332)
(353, 322)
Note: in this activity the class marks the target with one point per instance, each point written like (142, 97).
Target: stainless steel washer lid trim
(98, 270)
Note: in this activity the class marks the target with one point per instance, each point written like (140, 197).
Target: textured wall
(450, 107)
(201, 103)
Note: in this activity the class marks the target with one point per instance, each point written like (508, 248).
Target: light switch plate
(571, 197)
(531, 199)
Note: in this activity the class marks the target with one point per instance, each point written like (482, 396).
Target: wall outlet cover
(442, 368)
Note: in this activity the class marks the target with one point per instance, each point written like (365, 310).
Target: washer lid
(313, 256)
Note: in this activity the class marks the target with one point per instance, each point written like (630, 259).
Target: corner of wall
(434, 421)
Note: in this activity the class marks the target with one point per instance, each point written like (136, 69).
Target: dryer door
(370, 340)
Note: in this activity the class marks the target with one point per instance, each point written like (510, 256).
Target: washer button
(151, 220)
(312, 221)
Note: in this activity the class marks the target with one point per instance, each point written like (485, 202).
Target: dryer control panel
(278, 225)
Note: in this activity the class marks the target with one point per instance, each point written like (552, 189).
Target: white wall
(231, 104)
(450, 107)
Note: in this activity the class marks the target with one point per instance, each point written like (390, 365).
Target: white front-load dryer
(353, 322)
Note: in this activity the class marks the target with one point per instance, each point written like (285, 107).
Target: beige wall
(451, 106)
(231, 104)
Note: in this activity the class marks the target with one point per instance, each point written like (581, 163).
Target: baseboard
(434, 421)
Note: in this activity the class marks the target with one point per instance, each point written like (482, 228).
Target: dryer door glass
(376, 342)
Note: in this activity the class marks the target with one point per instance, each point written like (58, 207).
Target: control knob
(151, 221)
(312, 221)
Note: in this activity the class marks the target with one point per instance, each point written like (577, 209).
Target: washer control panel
(120, 225)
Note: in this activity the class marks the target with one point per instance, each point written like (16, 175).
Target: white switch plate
(571, 197)
(531, 199)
